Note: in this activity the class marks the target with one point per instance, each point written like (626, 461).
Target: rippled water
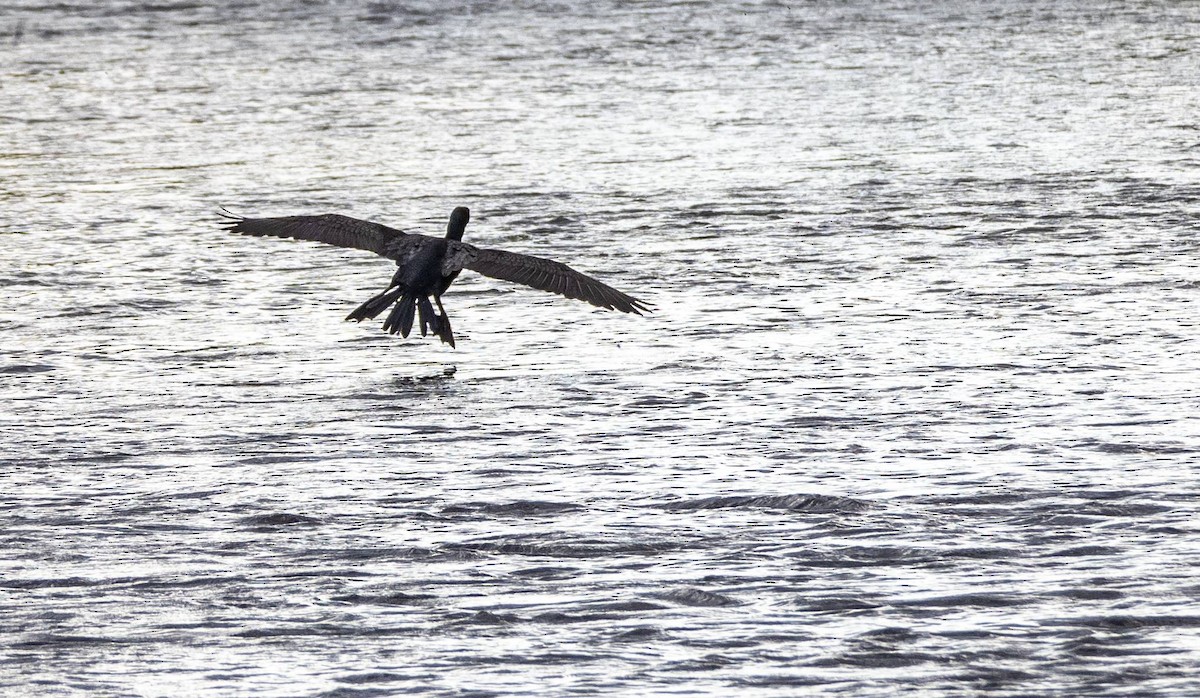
(917, 411)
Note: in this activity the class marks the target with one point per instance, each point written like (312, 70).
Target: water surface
(917, 412)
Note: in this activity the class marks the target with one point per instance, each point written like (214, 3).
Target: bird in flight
(426, 266)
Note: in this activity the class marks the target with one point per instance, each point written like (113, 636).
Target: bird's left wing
(330, 228)
(539, 273)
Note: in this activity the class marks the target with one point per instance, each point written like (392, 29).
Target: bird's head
(458, 223)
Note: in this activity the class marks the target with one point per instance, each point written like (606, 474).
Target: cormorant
(428, 265)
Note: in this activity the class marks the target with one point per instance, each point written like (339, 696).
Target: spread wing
(542, 274)
(330, 229)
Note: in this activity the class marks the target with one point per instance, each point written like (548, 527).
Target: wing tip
(638, 307)
(229, 220)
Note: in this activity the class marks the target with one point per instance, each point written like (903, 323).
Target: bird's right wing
(330, 228)
(542, 274)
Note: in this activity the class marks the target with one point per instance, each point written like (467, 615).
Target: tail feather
(375, 305)
(401, 318)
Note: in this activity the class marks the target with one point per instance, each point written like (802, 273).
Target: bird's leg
(446, 334)
(445, 317)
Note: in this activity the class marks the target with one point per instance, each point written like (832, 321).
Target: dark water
(917, 412)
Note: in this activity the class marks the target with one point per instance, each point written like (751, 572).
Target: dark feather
(330, 228)
(375, 305)
(400, 320)
(548, 275)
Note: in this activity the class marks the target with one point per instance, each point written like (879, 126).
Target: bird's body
(426, 266)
